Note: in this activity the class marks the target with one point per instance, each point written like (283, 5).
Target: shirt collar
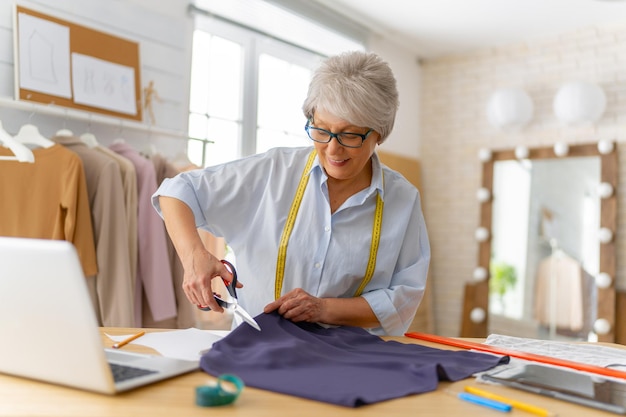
(377, 184)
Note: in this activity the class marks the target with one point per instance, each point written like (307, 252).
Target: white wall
(164, 32)
(404, 139)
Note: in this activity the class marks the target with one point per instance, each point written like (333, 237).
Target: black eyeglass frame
(332, 135)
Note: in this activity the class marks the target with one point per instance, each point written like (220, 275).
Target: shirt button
(327, 229)
(317, 265)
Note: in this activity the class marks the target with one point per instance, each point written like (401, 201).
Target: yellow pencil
(514, 403)
(128, 340)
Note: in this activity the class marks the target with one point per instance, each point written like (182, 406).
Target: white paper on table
(590, 353)
(584, 353)
(188, 344)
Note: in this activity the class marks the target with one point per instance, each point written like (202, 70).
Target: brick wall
(455, 91)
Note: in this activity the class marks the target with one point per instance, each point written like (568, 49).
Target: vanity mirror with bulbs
(546, 244)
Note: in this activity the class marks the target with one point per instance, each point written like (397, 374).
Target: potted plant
(503, 278)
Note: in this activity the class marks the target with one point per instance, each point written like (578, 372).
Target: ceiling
(432, 28)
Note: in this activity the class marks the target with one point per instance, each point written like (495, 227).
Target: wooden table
(176, 398)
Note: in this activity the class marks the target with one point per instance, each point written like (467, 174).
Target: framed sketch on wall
(62, 63)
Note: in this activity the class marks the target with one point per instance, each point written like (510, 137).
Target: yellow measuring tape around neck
(291, 220)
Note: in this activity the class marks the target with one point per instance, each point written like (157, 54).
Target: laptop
(49, 329)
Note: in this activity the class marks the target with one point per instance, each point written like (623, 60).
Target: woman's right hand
(199, 265)
(200, 269)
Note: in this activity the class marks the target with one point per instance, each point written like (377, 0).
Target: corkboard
(90, 43)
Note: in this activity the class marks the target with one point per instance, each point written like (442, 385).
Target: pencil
(514, 403)
(128, 340)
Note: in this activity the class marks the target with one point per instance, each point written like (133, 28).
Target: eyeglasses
(349, 140)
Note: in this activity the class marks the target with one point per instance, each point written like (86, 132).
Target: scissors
(233, 305)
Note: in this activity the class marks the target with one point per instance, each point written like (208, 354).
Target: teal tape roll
(215, 395)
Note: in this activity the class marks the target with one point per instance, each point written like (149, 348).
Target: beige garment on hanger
(129, 183)
(567, 274)
(114, 285)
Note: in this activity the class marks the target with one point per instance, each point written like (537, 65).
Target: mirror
(546, 258)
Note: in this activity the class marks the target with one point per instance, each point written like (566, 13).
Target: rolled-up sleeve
(396, 305)
(181, 188)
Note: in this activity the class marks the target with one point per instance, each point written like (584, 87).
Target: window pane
(225, 137)
(198, 96)
(282, 90)
(198, 126)
(194, 151)
(225, 79)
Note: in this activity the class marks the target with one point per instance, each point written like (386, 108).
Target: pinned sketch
(44, 56)
(103, 84)
(62, 63)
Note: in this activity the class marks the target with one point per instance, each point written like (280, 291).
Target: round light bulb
(605, 235)
(481, 234)
(605, 147)
(603, 280)
(579, 102)
(480, 274)
(602, 326)
(483, 194)
(605, 190)
(484, 155)
(521, 152)
(509, 108)
(477, 315)
(561, 149)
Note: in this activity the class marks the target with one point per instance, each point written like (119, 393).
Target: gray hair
(358, 87)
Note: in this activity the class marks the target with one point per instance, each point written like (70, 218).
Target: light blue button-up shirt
(247, 202)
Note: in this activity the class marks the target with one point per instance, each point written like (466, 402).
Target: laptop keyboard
(125, 372)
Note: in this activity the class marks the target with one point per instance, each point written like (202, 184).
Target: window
(247, 91)
(215, 99)
(246, 94)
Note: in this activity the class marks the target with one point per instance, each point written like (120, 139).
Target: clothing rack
(54, 110)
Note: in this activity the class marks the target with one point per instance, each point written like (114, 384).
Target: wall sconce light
(579, 103)
(605, 147)
(477, 315)
(603, 280)
(561, 149)
(481, 234)
(602, 326)
(483, 195)
(509, 108)
(605, 235)
(480, 274)
(605, 190)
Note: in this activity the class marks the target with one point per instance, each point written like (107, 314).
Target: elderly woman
(323, 234)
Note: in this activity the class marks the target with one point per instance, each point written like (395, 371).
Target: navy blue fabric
(343, 365)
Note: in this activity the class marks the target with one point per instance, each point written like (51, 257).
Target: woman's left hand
(298, 305)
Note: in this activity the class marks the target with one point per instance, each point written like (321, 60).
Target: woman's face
(340, 162)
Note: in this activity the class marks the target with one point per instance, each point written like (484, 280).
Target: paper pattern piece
(103, 84)
(590, 354)
(188, 344)
(44, 56)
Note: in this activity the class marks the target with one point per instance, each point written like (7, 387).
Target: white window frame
(254, 44)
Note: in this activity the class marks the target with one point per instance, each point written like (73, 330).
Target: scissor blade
(246, 317)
